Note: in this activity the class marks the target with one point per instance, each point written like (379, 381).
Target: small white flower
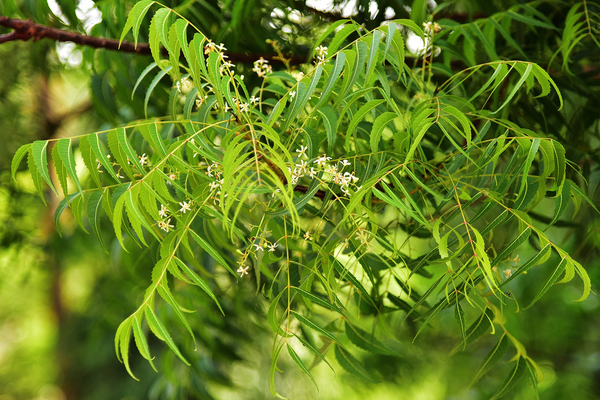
(302, 151)
(226, 107)
(322, 160)
(345, 163)
(312, 172)
(276, 190)
(258, 247)
(346, 192)
(163, 211)
(184, 207)
(164, 225)
(243, 271)
(214, 185)
(173, 177)
(254, 100)
(301, 167)
(307, 236)
(244, 107)
(360, 235)
(292, 94)
(508, 272)
(273, 246)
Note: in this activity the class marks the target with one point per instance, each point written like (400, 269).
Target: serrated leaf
(66, 155)
(94, 208)
(476, 329)
(299, 362)
(340, 60)
(351, 364)
(94, 141)
(562, 201)
(550, 281)
(198, 281)
(313, 349)
(312, 325)
(512, 379)
(122, 338)
(347, 275)
(330, 121)
(317, 299)
(16, 161)
(134, 19)
(491, 358)
(40, 157)
(211, 250)
(61, 171)
(158, 327)
(140, 341)
(165, 293)
(366, 341)
(459, 315)
(378, 127)
(89, 159)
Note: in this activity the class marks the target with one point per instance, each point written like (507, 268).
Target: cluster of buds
(335, 172)
(321, 54)
(218, 48)
(184, 85)
(431, 28)
(226, 66)
(262, 67)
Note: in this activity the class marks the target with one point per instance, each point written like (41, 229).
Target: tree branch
(25, 30)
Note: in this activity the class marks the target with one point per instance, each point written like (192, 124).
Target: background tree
(559, 37)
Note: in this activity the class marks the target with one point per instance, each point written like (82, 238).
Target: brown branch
(25, 30)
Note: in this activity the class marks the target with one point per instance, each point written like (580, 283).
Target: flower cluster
(332, 172)
(431, 28)
(321, 54)
(184, 85)
(262, 68)
(211, 46)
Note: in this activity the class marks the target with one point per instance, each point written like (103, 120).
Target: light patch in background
(88, 14)
(68, 54)
(389, 13)
(346, 9)
(415, 44)
(55, 8)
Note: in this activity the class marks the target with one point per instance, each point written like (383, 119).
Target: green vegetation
(401, 204)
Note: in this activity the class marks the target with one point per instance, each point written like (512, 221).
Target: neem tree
(331, 188)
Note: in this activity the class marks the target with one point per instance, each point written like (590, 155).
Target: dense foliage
(364, 195)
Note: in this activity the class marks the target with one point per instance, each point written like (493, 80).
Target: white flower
(307, 236)
(292, 94)
(273, 246)
(164, 225)
(345, 162)
(258, 247)
(184, 207)
(301, 167)
(163, 211)
(243, 271)
(244, 107)
(254, 100)
(143, 159)
(322, 160)
(276, 190)
(361, 235)
(346, 192)
(226, 107)
(508, 272)
(173, 177)
(302, 151)
(214, 185)
(312, 172)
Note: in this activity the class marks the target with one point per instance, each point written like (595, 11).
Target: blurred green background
(62, 298)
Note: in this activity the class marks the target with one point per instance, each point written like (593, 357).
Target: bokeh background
(62, 297)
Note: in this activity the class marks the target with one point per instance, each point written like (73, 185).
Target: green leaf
(366, 341)
(211, 250)
(317, 299)
(35, 175)
(94, 140)
(61, 171)
(347, 275)
(165, 293)
(340, 60)
(62, 206)
(459, 315)
(330, 121)
(198, 281)
(562, 201)
(477, 328)
(94, 208)
(512, 379)
(16, 161)
(66, 154)
(378, 127)
(305, 321)
(351, 364)
(140, 340)
(299, 362)
(153, 85)
(313, 349)
(160, 332)
(40, 157)
(550, 281)
(516, 88)
(491, 358)
(272, 316)
(122, 338)
(507, 250)
(134, 19)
